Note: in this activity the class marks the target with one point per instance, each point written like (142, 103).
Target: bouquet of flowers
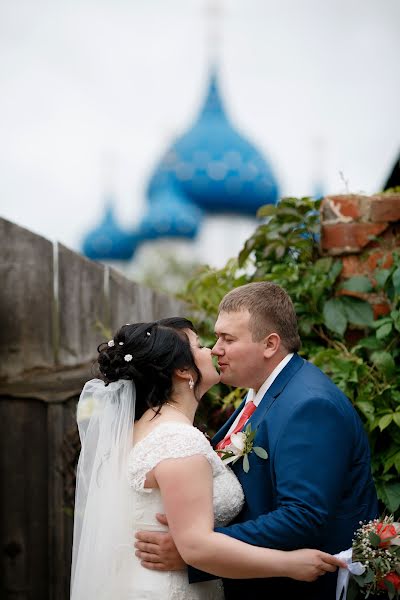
(376, 548)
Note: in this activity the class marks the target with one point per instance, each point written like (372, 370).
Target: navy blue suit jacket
(316, 484)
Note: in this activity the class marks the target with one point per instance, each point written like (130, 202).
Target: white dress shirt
(257, 397)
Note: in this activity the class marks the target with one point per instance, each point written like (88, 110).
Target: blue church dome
(108, 241)
(170, 215)
(214, 166)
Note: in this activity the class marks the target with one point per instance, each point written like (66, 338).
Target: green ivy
(285, 249)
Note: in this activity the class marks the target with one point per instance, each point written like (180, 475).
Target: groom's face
(241, 361)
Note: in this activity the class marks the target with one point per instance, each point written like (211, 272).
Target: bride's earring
(191, 383)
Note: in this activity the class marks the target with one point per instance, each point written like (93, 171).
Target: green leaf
(396, 418)
(261, 452)
(251, 436)
(371, 343)
(323, 265)
(336, 269)
(381, 276)
(385, 421)
(367, 408)
(367, 577)
(390, 588)
(396, 280)
(390, 495)
(353, 591)
(358, 283)
(370, 575)
(374, 539)
(334, 316)
(358, 312)
(266, 211)
(384, 361)
(384, 331)
(246, 464)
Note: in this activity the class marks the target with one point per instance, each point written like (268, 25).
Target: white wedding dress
(174, 440)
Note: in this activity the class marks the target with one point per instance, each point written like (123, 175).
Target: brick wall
(363, 231)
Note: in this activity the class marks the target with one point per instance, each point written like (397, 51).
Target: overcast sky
(93, 91)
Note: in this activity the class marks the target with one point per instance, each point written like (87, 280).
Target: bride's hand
(308, 565)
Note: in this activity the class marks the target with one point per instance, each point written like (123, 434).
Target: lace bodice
(176, 440)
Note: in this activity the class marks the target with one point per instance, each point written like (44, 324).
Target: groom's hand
(157, 551)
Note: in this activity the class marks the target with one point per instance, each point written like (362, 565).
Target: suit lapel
(275, 390)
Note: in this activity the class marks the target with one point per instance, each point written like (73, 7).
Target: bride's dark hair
(148, 354)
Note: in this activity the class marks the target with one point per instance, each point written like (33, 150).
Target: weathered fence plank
(26, 301)
(81, 307)
(23, 518)
(146, 304)
(124, 300)
(167, 306)
(56, 514)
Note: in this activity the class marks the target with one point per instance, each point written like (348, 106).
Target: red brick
(343, 238)
(352, 265)
(337, 207)
(378, 259)
(381, 309)
(361, 295)
(385, 208)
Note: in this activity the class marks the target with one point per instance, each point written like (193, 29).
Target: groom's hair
(271, 311)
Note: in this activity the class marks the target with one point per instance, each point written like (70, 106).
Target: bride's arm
(186, 486)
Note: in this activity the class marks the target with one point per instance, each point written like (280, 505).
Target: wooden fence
(54, 307)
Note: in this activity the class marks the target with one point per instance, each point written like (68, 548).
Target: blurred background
(139, 130)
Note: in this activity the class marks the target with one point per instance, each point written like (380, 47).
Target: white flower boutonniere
(241, 445)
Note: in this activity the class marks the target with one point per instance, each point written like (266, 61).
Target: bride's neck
(184, 402)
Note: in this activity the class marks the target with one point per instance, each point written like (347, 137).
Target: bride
(141, 455)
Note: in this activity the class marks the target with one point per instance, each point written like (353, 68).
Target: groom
(316, 484)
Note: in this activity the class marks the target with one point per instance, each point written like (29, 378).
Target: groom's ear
(272, 344)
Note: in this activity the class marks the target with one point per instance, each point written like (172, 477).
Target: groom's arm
(311, 460)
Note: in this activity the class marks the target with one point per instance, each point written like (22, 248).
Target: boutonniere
(242, 444)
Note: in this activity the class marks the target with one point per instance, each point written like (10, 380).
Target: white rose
(238, 441)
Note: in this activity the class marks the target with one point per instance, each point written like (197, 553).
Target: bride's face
(203, 359)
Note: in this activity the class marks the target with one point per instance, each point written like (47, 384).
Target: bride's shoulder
(170, 439)
(171, 433)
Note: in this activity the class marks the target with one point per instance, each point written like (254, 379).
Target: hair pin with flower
(128, 357)
(111, 343)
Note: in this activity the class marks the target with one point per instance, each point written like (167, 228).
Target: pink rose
(386, 532)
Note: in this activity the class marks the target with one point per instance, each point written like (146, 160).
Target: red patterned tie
(248, 410)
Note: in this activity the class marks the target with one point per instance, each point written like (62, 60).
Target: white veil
(103, 533)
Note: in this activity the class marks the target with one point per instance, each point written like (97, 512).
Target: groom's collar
(285, 375)
(256, 397)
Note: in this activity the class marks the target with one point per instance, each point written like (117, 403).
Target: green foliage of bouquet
(285, 249)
